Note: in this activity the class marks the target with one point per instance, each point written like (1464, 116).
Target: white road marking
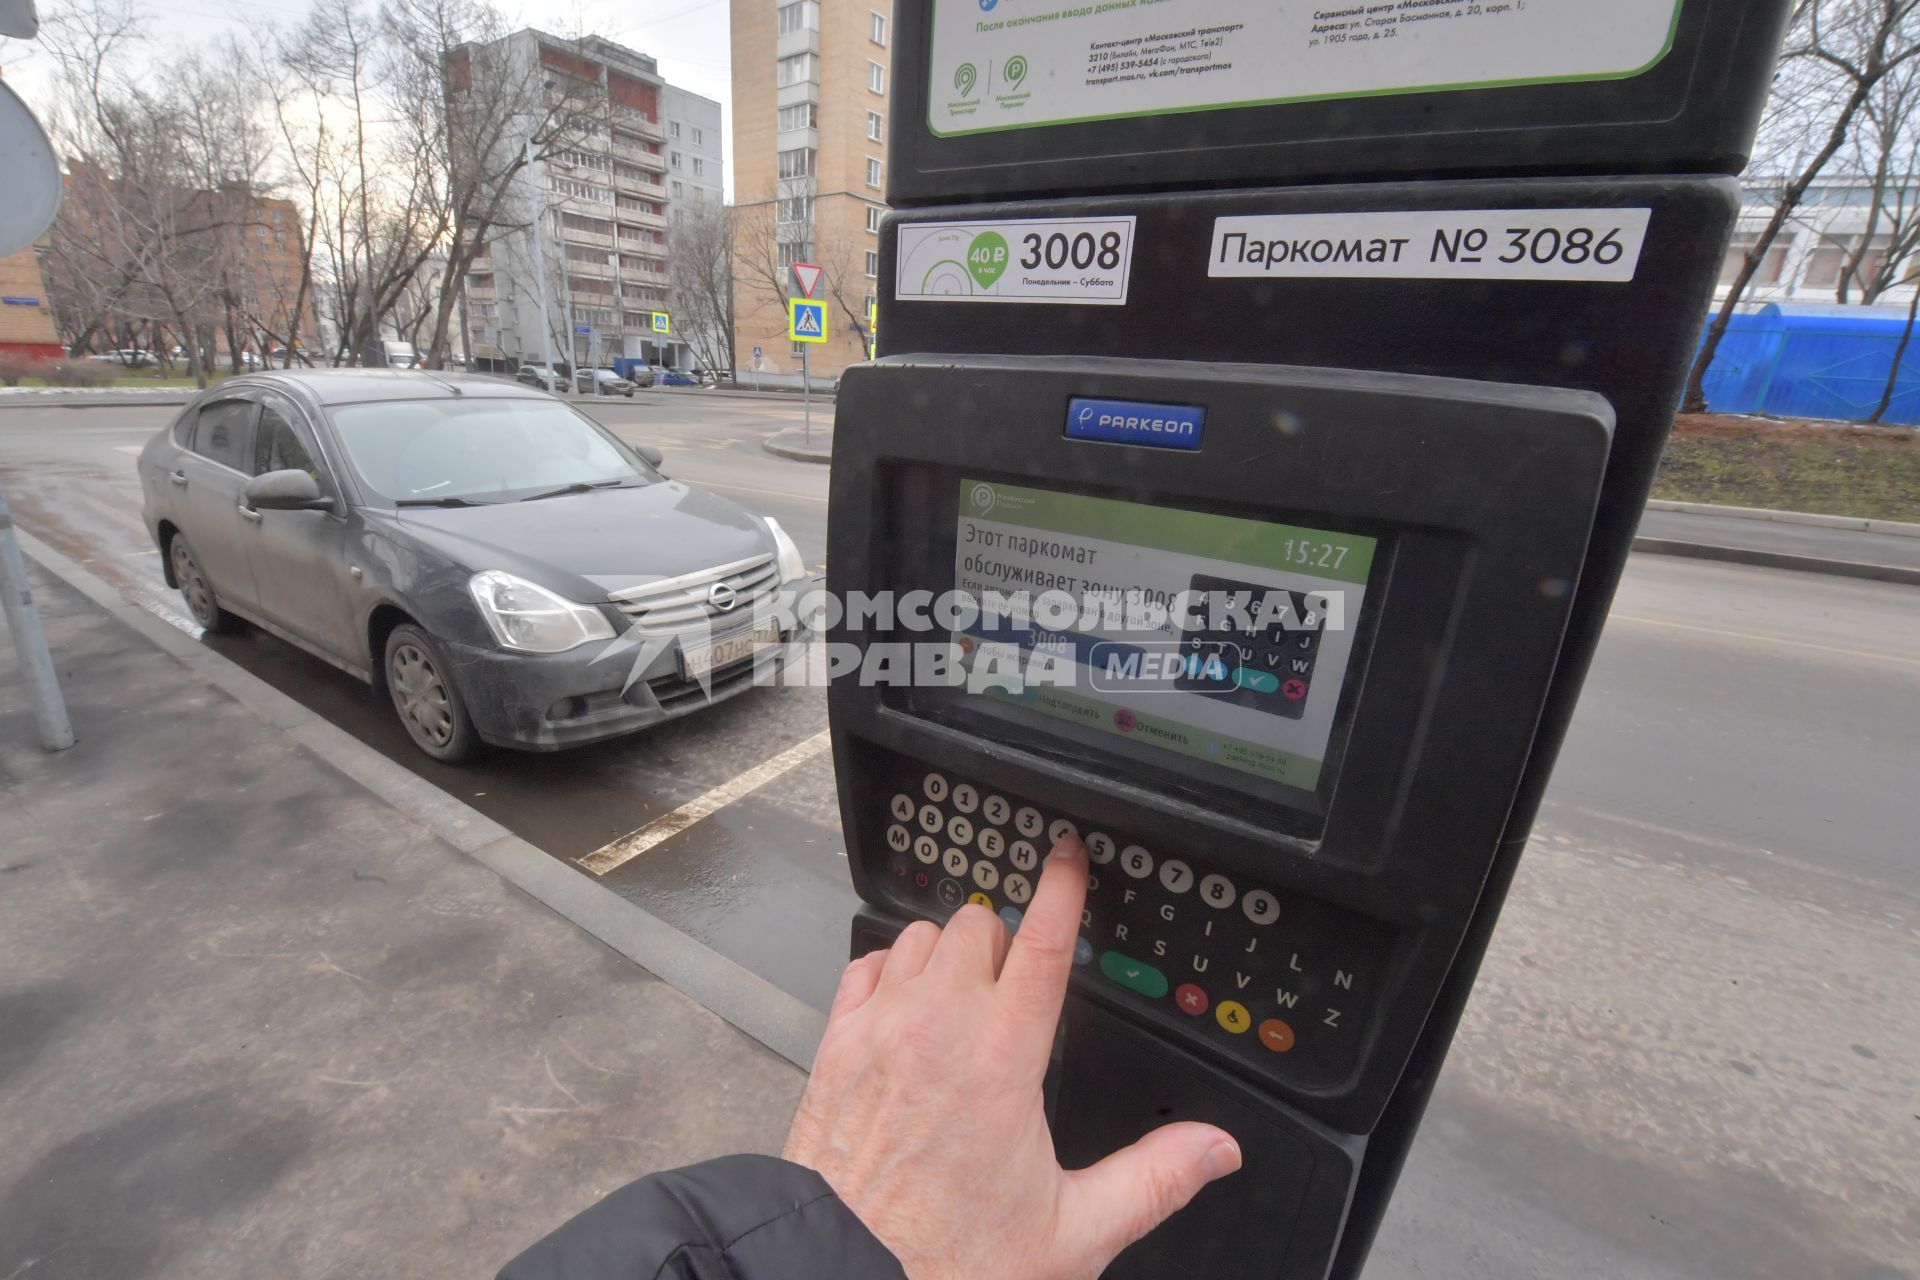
(1760, 639)
(133, 449)
(631, 846)
(747, 488)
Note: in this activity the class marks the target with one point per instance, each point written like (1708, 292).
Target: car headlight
(792, 565)
(530, 618)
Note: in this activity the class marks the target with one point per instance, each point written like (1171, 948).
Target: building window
(873, 218)
(803, 16)
(797, 163)
(1771, 265)
(675, 160)
(673, 128)
(801, 115)
(873, 126)
(873, 263)
(873, 172)
(876, 77)
(877, 28)
(696, 138)
(799, 350)
(797, 68)
(679, 188)
(795, 209)
(699, 166)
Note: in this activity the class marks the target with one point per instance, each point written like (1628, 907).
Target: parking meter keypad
(1281, 983)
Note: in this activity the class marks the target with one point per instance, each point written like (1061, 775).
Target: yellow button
(980, 900)
(1232, 1015)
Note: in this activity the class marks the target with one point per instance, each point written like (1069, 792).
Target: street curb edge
(789, 1027)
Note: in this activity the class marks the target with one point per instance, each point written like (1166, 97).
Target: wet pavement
(1693, 1047)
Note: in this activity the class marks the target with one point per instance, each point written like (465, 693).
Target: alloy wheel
(420, 695)
(193, 585)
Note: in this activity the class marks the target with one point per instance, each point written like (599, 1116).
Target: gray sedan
(501, 567)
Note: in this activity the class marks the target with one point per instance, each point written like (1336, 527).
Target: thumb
(1134, 1190)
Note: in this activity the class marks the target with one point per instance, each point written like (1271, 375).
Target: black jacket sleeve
(735, 1218)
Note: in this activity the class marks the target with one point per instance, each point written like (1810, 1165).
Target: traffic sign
(806, 321)
(583, 329)
(806, 277)
(662, 323)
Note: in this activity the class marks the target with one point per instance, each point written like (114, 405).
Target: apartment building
(603, 208)
(27, 331)
(810, 84)
(1828, 231)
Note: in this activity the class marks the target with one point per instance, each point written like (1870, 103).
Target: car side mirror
(290, 490)
(654, 457)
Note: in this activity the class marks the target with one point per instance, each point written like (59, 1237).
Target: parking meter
(1264, 406)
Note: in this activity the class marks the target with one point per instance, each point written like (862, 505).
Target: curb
(788, 444)
(1780, 560)
(1857, 524)
(158, 400)
(789, 1027)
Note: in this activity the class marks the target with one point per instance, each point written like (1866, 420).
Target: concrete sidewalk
(1879, 550)
(256, 1020)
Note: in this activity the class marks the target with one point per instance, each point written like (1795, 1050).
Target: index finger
(1034, 978)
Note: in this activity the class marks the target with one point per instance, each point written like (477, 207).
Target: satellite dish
(33, 178)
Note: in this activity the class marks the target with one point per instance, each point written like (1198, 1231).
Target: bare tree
(491, 115)
(702, 289)
(1838, 53)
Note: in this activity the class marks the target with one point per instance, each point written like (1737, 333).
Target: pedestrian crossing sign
(662, 323)
(806, 321)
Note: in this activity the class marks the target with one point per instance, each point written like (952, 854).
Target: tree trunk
(1899, 355)
(1695, 400)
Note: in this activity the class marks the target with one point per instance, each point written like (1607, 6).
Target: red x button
(1190, 999)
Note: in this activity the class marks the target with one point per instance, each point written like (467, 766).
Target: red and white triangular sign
(806, 276)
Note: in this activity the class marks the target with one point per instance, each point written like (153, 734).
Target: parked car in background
(468, 547)
(640, 375)
(678, 378)
(602, 382)
(542, 376)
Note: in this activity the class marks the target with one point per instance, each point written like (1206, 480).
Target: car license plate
(697, 662)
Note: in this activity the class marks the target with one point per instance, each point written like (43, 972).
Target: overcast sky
(688, 37)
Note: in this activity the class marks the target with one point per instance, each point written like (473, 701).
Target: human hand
(925, 1115)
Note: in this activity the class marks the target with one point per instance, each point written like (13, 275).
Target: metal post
(806, 389)
(29, 641)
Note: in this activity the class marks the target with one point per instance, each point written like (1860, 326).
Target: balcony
(633, 218)
(481, 293)
(629, 120)
(588, 239)
(640, 156)
(638, 187)
(589, 270)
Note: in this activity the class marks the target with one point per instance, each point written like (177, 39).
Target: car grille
(674, 604)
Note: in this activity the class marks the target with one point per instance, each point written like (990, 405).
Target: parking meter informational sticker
(1021, 64)
(1597, 245)
(1083, 261)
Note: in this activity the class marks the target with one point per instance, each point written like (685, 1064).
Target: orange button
(1276, 1035)
(1232, 1016)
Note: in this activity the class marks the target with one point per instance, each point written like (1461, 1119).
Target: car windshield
(481, 450)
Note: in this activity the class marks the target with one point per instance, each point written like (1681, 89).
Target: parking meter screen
(1207, 641)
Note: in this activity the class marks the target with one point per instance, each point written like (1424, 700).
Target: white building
(1806, 260)
(605, 208)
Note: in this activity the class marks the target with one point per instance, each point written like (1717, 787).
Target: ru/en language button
(1133, 975)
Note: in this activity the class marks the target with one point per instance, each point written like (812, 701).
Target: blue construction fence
(1831, 362)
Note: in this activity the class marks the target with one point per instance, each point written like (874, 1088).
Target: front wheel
(202, 603)
(425, 697)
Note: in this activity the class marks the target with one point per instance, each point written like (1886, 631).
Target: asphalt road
(1694, 1049)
